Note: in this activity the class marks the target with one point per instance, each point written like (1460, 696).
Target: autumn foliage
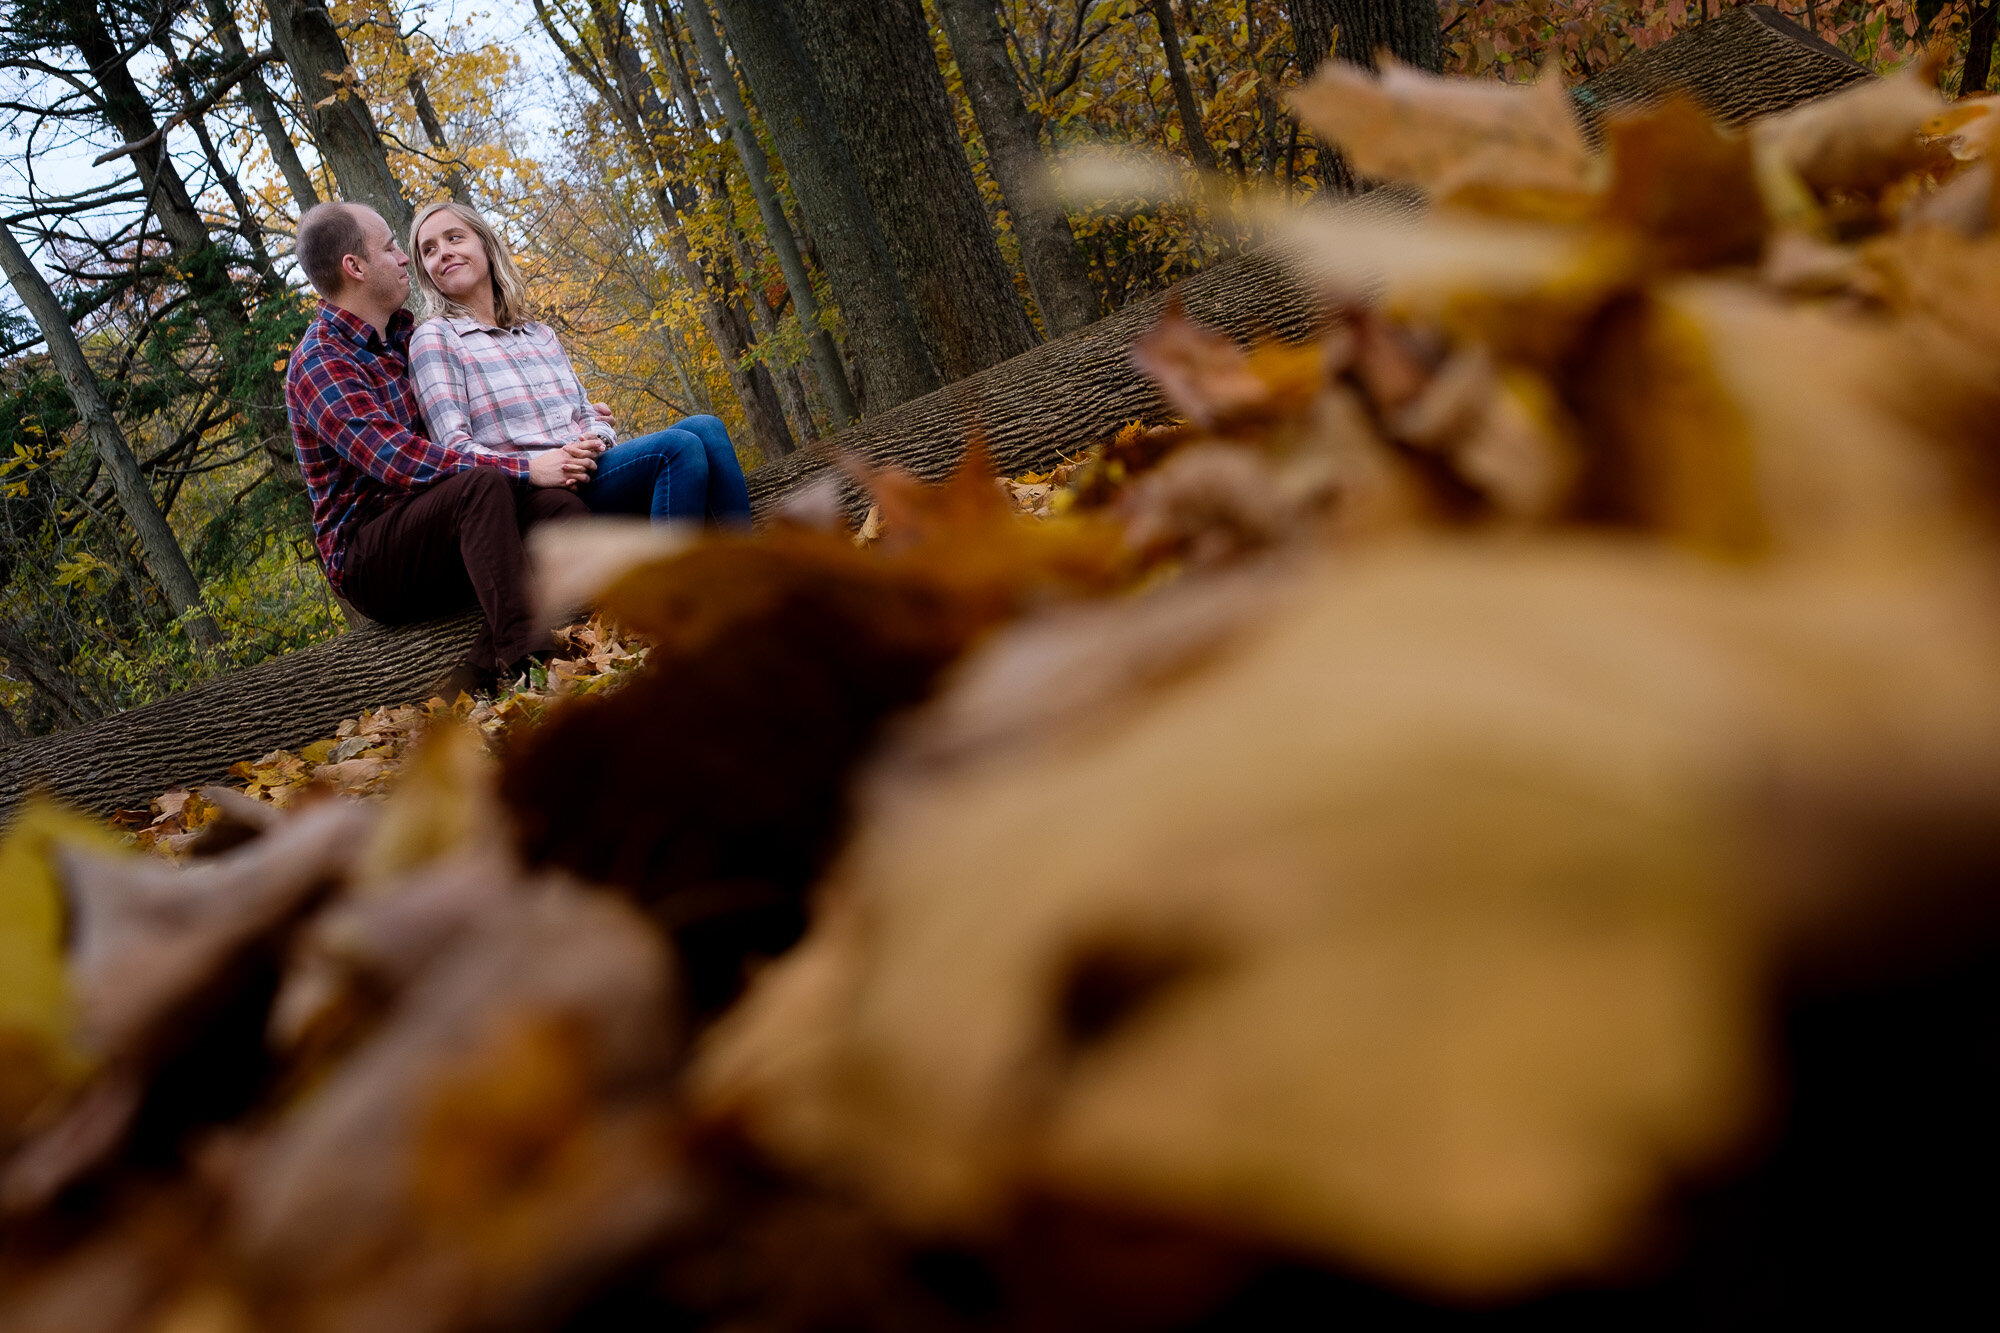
(1380, 827)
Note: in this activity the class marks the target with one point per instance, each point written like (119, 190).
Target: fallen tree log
(1749, 62)
(1031, 410)
(1062, 396)
(125, 760)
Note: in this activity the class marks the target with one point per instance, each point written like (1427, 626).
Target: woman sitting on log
(490, 378)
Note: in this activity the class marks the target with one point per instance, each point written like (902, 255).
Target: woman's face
(453, 256)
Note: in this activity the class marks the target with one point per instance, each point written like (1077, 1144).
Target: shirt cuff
(514, 465)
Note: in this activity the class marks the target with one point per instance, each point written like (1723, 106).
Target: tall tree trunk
(880, 73)
(791, 389)
(342, 126)
(1408, 29)
(263, 109)
(1056, 273)
(628, 93)
(1192, 133)
(204, 264)
(777, 227)
(164, 559)
(889, 353)
(1979, 51)
(753, 381)
(752, 314)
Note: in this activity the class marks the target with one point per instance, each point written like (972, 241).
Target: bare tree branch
(221, 86)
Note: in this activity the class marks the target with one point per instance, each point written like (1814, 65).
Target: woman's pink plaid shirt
(505, 390)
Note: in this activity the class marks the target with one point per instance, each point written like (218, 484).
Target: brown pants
(451, 544)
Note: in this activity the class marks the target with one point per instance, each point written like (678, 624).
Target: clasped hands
(569, 466)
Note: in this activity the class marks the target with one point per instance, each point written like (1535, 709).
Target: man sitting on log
(408, 529)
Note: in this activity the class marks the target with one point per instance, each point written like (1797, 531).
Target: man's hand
(603, 411)
(567, 467)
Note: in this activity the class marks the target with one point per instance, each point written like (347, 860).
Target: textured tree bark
(1056, 274)
(254, 383)
(1979, 51)
(880, 74)
(1062, 396)
(263, 109)
(889, 353)
(164, 559)
(1192, 135)
(1748, 62)
(1408, 29)
(342, 126)
(125, 760)
(777, 227)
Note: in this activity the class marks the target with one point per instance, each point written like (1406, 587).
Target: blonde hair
(510, 294)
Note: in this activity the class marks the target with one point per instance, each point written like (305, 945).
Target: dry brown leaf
(1226, 389)
(1449, 136)
(1860, 140)
(155, 951)
(574, 563)
(1211, 503)
(1687, 185)
(1970, 127)
(494, 1147)
(1745, 427)
(1425, 930)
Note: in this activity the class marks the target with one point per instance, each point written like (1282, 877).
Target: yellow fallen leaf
(1427, 931)
(38, 1054)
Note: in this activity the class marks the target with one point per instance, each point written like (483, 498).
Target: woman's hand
(567, 467)
(603, 411)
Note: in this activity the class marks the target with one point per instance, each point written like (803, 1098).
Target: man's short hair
(328, 233)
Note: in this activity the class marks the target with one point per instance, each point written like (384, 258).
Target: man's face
(385, 269)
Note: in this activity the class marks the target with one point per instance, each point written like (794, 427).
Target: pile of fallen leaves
(365, 755)
(1392, 837)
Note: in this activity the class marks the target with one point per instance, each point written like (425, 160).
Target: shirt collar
(467, 324)
(363, 334)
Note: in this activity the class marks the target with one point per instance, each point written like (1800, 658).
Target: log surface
(1749, 62)
(123, 761)
(1063, 395)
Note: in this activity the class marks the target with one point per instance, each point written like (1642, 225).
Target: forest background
(698, 248)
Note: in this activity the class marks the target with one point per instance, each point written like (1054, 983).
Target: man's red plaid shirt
(358, 432)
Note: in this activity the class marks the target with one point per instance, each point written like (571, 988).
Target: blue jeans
(687, 471)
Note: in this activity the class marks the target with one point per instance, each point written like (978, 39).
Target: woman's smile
(453, 256)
